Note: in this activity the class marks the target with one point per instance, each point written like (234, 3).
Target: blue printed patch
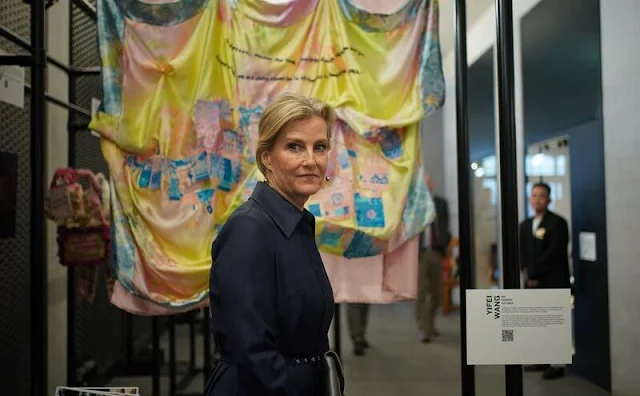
(247, 113)
(231, 143)
(337, 199)
(315, 209)
(123, 254)
(361, 245)
(379, 179)
(156, 176)
(215, 168)
(329, 238)
(418, 207)
(390, 143)
(343, 160)
(145, 176)
(200, 171)
(369, 211)
(237, 172)
(174, 186)
(205, 196)
(226, 171)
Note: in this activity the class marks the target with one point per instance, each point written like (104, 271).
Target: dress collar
(284, 213)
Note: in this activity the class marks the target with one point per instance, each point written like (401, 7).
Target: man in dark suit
(433, 246)
(544, 240)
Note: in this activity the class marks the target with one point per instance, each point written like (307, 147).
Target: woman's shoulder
(248, 218)
(244, 240)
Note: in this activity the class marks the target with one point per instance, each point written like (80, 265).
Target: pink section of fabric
(126, 301)
(401, 271)
(380, 6)
(278, 13)
(376, 280)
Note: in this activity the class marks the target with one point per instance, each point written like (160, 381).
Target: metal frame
(508, 168)
(508, 176)
(38, 270)
(189, 369)
(465, 201)
(71, 278)
(24, 44)
(38, 60)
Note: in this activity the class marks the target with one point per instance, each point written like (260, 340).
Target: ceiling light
(537, 159)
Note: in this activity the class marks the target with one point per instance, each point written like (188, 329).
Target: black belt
(291, 361)
(314, 359)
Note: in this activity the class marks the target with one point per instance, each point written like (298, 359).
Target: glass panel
(561, 165)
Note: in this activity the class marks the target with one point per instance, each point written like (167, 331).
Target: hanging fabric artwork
(184, 85)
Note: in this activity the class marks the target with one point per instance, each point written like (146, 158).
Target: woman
(271, 300)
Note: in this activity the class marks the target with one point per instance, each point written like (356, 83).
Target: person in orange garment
(433, 246)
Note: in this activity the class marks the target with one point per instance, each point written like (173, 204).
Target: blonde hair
(286, 109)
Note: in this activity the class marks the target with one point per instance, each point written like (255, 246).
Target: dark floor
(397, 364)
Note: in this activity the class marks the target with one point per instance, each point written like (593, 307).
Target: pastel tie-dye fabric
(185, 83)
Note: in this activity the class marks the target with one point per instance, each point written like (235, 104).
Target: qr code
(507, 335)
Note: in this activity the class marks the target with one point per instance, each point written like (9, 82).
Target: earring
(327, 178)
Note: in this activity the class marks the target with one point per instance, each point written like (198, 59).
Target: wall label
(531, 326)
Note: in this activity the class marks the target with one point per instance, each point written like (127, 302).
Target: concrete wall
(621, 101)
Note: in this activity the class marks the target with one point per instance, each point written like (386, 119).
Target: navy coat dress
(271, 301)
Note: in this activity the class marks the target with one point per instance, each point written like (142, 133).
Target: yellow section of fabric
(220, 53)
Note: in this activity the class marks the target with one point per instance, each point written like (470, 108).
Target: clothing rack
(153, 364)
(176, 387)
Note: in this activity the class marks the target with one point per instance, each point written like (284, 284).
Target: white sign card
(531, 326)
(588, 246)
(110, 391)
(12, 85)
